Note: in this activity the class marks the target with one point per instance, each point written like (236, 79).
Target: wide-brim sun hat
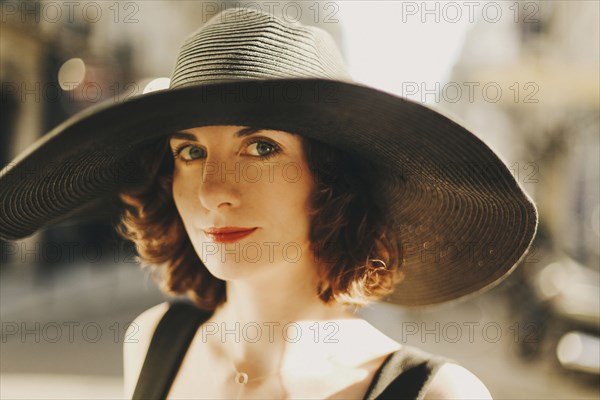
(463, 220)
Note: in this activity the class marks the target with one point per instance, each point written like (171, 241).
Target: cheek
(181, 194)
(293, 197)
(176, 188)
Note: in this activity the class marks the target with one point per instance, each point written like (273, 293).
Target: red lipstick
(228, 234)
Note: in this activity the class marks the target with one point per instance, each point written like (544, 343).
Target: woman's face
(234, 176)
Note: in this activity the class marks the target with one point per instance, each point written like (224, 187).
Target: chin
(225, 272)
(229, 270)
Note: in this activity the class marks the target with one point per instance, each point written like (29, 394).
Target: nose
(220, 185)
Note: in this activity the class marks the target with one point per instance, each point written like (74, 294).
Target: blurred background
(523, 75)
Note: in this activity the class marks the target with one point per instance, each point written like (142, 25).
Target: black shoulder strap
(405, 374)
(169, 344)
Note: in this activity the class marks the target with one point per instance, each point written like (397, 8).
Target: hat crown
(242, 44)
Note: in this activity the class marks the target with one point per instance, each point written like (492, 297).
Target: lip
(228, 234)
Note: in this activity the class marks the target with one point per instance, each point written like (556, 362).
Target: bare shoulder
(455, 382)
(136, 343)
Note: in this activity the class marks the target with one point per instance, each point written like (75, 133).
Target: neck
(256, 335)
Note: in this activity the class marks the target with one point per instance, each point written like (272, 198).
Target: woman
(268, 288)
(276, 194)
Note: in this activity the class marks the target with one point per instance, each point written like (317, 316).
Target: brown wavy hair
(358, 253)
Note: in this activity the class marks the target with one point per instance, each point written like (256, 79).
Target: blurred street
(75, 326)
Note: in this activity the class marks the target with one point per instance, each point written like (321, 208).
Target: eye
(264, 148)
(258, 147)
(189, 152)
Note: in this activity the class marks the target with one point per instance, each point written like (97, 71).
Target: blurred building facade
(536, 101)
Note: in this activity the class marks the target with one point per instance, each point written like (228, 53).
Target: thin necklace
(241, 378)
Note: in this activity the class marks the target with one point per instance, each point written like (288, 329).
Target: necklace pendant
(241, 378)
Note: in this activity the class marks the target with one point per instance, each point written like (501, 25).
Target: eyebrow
(190, 136)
